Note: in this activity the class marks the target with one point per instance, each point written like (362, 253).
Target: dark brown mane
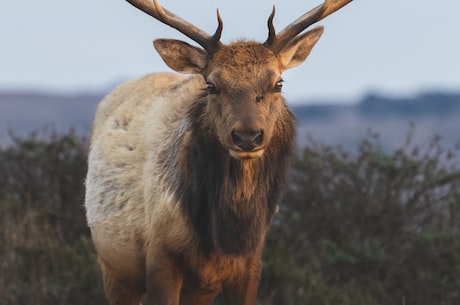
(231, 202)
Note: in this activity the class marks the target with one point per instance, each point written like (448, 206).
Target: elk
(185, 174)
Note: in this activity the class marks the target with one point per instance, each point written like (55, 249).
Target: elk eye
(278, 86)
(211, 88)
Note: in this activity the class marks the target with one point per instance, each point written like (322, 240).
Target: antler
(210, 43)
(276, 42)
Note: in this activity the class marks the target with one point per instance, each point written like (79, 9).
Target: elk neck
(230, 202)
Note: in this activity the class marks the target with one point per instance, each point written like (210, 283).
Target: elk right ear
(180, 56)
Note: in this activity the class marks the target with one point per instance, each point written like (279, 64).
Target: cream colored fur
(127, 186)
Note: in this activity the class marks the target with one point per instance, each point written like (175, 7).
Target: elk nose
(247, 140)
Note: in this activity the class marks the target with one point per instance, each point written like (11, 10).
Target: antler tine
(271, 29)
(210, 43)
(277, 42)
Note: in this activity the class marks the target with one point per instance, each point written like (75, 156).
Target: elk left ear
(297, 50)
(180, 56)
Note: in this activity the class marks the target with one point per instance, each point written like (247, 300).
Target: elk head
(242, 79)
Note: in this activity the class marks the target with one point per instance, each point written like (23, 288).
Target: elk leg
(164, 280)
(242, 289)
(199, 297)
(119, 291)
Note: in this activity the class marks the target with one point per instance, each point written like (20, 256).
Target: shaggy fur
(231, 202)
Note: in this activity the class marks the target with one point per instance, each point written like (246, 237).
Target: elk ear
(297, 50)
(180, 56)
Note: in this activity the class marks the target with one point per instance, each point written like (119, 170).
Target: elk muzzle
(247, 143)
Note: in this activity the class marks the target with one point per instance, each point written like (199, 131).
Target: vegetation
(46, 255)
(365, 227)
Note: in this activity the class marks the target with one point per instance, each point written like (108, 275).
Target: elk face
(244, 97)
(243, 82)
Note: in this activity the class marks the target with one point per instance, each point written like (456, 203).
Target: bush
(46, 254)
(366, 227)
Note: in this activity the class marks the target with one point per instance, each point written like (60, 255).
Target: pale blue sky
(385, 46)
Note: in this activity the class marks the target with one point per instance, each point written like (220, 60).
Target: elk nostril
(257, 137)
(247, 141)
(237, 138)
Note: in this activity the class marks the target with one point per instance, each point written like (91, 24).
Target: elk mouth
(240, 154)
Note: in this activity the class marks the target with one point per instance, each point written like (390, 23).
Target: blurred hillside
(432, 114)
(23, 113)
